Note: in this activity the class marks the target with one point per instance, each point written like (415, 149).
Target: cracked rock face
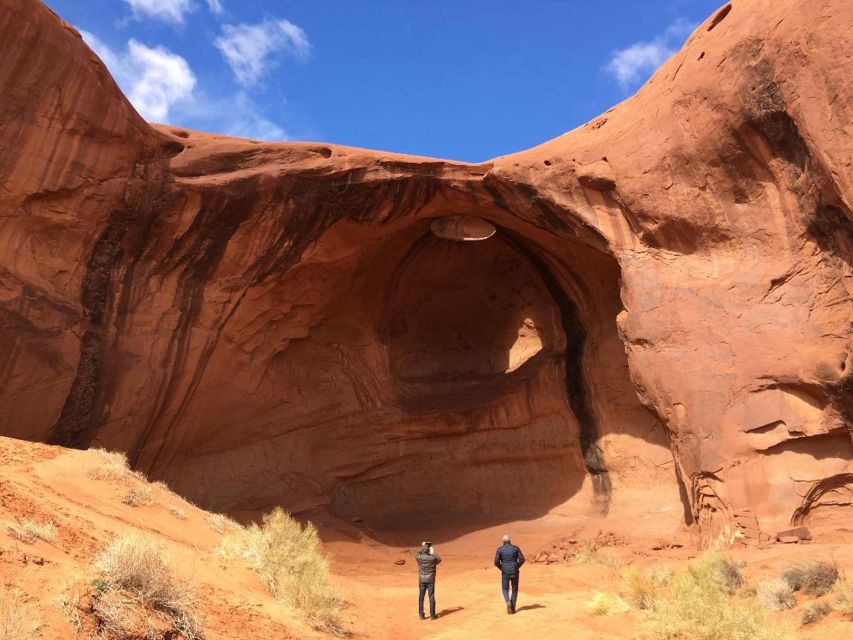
(655, 314)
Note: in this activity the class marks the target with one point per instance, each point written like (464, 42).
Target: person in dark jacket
(428, 560)
(508, 558)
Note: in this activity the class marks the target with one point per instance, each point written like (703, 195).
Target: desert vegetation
(28, 531)
(287, 557)
(111, 466)
(134, 593)
(706, 600)
(606, 604)
(813, 579)
(843, 600)
(18, 619)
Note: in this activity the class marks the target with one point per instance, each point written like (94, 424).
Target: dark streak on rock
(576, 389)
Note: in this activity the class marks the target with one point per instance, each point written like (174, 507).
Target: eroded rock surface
(662, 316)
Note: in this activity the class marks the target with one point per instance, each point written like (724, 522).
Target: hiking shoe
(422, 616)
(508, 607)
(433, 617)
(513, 608)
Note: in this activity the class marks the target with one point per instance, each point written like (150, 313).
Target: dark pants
(506, 579)
(424, 588)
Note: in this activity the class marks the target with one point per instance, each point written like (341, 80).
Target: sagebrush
(843, 597)
(606, 604)
(776, 594)
(288, 558)
(698, 605)
(135, 588)
(28, 531)
(813, 579)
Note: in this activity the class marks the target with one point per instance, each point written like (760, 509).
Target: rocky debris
(400, 562)
(565, 549)
(797, 534)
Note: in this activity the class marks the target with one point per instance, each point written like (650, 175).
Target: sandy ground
(48, 483)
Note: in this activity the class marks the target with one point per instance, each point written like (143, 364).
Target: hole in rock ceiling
(462, 228)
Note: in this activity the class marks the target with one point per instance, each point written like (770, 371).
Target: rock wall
(662, 317)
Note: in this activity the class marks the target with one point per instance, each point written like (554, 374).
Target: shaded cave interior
(406, 379)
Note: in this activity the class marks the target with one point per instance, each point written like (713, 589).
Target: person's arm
(437, 558)
(520, 558)
(498, 558)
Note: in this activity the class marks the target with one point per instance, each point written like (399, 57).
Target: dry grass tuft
(140, 496)
(222, 524)
(111, 466)
(18, 619)
(588, 551)
(136, 590)
(28, 531)
(776, 594)
(176, 511)
(814, 612)
(288, 558)
(698, 605)
(813, 579)
(645, 586)
(843, 597)
(606, 604)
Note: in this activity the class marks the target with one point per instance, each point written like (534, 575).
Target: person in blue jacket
(508, 558)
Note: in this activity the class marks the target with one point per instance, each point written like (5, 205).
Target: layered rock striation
(655, 307)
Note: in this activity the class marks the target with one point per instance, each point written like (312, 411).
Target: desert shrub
(813, 579)
(589, 551)
(719, 568)
(221, 523)
(843, 597)
(606, 604)
(698, 606)
(645, 585)
(814, 612)
(288, 558)
(18, 619)
(139, 496)
(132, 580)
(776, 594)
(112, 466)
(28, 531)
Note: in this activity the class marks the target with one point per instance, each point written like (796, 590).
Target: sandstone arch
(211, 305)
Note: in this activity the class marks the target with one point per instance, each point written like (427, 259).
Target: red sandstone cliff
(668, 294)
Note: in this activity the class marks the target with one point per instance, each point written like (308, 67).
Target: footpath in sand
(44, 483)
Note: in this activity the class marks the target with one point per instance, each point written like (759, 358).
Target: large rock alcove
(660, 298)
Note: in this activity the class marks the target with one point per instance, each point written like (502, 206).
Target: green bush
(698, 606)
(646, 585)
(288, 558)
(606, 604)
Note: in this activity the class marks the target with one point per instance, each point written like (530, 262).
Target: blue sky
(464, 79)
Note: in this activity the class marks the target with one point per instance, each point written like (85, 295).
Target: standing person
(428, 560)
(508, 558)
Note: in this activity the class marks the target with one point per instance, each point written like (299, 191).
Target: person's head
(425, 546)
(506, 538)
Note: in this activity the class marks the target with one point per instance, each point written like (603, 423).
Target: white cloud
(153, 78)
(631, 65)
(173, 11)
(248, 48)
(215, 7)
(234, 115)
